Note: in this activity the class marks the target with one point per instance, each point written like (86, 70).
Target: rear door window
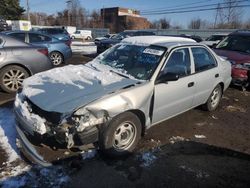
(19, 36)
(203, 60)
(34, 38)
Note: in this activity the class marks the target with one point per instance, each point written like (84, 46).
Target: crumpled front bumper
(28, 149)
(23, 143)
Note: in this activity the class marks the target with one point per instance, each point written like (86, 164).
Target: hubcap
(124, 136)
(56, 58)
(215, 98)
(13, 79)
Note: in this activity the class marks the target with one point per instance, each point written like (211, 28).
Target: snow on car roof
(157, 40)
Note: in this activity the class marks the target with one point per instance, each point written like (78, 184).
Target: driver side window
(179, 63)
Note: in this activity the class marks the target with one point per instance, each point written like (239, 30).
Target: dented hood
(67, 88)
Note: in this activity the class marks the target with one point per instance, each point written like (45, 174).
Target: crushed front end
(36, 127)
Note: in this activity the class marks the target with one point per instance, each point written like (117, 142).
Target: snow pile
(33, 119)
(147, 158)
(13, 165)
(8, 134)
(14, 172)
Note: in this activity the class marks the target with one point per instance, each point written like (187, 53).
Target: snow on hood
(67, 88)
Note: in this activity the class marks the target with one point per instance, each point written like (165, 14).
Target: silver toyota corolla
(113, 99)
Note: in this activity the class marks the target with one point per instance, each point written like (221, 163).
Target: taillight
(44, 51)
(68, 43)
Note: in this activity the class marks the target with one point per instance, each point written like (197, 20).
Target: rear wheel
(214, 99)
(56, 58)
(121, 136)
(11, 78)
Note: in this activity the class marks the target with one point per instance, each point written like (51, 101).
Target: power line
(181, 5)
(191, 7)
(195, 10)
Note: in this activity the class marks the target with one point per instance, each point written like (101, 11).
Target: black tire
(107, 141)
(56, 58)
(214, 99)
(11, 78)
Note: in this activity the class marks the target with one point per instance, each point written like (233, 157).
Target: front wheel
(214, 99)
(56, 58)
(121, 135)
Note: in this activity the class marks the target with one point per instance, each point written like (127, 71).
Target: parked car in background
(236, 48)
(58, 33)
(104, 44)
(108, 36)
(214, 39)
(3, 25)
(82, 34)
(59, 51)
(113, 99)
(194, 37)
(19, 60)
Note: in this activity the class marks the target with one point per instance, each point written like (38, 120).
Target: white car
(82, 34)
(214, 39)
(113, 99)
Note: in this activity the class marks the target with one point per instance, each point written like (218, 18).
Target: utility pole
(68, 5)
(28, 10)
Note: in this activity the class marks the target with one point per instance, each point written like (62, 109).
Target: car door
(2, 52)
(206, 73)
(39, 40)
(175, 97)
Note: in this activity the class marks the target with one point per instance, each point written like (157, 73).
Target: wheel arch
(20, 65)
(141, 117)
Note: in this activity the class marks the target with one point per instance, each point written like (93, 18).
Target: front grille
(51, 117)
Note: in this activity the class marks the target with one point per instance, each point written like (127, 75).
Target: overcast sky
(51, 7)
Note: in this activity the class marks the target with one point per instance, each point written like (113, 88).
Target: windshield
(137, 61)
(235, 43)
(215, 38)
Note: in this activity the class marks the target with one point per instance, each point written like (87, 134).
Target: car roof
(241, 32)
(164, 41)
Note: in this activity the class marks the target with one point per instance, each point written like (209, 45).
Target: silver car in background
(113, 99)
(19, 60)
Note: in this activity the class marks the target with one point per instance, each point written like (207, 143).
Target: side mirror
(167, 77)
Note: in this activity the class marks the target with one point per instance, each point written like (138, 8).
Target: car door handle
(191, 84)
(216, 76)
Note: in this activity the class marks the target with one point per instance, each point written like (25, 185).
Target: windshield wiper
(92, 66)
(119, 74)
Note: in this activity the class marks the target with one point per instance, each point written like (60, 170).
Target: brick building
(119, 19)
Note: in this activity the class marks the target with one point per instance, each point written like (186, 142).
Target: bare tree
(228, 15)
(195, 24)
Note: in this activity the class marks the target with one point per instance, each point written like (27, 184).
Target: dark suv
(236, 48)
(104, 44)
(3, 25)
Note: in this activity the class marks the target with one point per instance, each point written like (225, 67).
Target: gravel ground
(195, 149)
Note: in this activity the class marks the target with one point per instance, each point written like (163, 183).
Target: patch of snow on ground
(88, 154)
(200, 136)
(175, 139)
(147, 159)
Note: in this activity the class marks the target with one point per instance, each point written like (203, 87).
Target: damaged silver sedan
(113, 99)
